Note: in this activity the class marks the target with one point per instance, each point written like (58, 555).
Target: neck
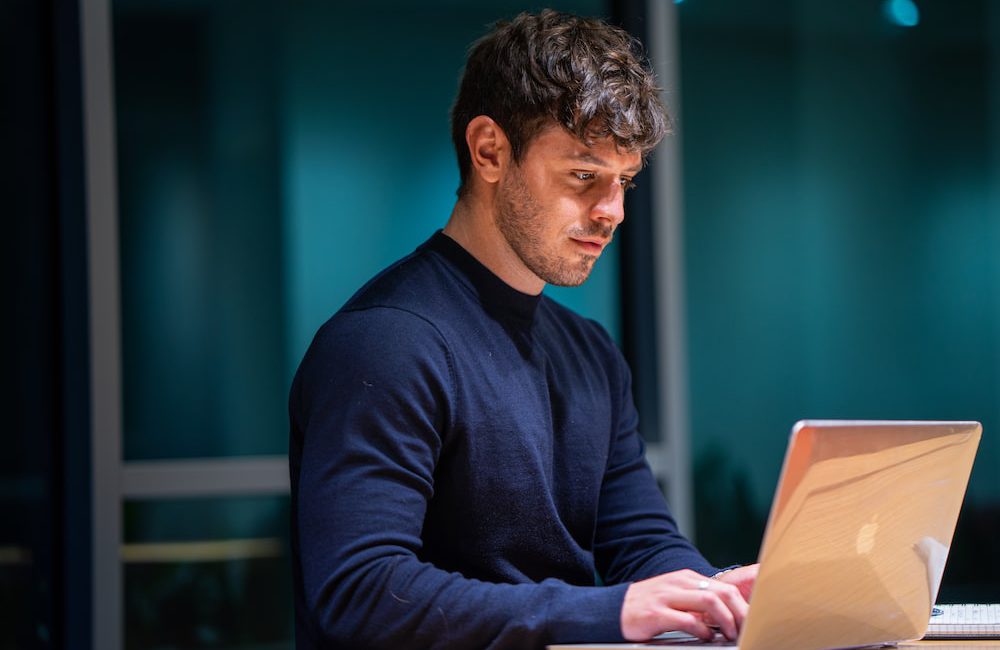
(473, 225)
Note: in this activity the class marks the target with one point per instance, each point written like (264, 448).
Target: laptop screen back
(859, 532)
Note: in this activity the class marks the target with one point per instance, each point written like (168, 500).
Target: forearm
(398, 601)
(365, 585)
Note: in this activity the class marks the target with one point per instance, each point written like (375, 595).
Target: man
(466, 469)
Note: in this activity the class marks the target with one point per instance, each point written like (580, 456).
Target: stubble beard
(521, 221)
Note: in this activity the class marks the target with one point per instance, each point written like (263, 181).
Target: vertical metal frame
(105, 322)
(73, 523)
(674, 457)
(993, 80)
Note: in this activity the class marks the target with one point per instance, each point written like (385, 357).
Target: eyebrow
(588, 157)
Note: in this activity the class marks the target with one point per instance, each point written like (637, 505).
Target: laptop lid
(859, 532)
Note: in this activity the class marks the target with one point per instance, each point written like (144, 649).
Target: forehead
(555, 144)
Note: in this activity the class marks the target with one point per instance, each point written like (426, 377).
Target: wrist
(725, 571)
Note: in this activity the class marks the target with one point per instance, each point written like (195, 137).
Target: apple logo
(866, 536)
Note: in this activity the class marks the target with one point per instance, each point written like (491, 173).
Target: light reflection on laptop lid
(858, 533)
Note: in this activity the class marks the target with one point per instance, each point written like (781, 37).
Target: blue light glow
(902, 12)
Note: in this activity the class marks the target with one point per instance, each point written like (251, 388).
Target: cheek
(558, 214)
(559, 207)
(571, 209)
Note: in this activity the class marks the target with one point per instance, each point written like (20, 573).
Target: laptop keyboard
(965, 621)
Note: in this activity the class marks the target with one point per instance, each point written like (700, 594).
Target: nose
(610, 205)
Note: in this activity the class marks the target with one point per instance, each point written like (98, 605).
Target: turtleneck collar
(497, 297)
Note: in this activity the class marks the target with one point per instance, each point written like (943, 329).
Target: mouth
(591, 245)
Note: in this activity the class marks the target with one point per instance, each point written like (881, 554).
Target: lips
(593, 245)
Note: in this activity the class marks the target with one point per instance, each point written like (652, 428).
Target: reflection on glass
(207, 573)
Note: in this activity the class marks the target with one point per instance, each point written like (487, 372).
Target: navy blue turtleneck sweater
(464, 459)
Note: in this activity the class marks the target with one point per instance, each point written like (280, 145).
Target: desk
(952, 645)
(922, 645)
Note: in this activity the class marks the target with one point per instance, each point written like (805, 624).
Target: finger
(687, 622)
(708, 603)
(707, 606)
(743, 578)
(734, 601)
(730, 593)
(719, 613)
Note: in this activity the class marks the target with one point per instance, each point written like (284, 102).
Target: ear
(488, 148)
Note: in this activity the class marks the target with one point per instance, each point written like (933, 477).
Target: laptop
(965, 621)
(858, 535)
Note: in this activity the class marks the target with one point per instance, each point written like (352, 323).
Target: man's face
(559, 207)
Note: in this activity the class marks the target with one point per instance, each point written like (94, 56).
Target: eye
(627, 183)
(584, 176)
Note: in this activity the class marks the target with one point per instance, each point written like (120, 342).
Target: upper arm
(371, 406)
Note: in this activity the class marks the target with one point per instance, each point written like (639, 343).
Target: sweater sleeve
(636, 536)
(368, 408)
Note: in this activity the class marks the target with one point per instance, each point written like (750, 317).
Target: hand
(743, 578)
(684, 601)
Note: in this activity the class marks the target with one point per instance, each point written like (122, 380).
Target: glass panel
(842, 221)
(202, 324)
(263, 180)
(207, 573)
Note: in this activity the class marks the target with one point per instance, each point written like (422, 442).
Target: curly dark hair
(590, 77)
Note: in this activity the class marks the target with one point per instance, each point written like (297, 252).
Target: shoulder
(374, 358)
(416, 284)
(391, 325)
(376, 335)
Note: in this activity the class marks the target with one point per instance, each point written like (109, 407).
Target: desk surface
(923, 645)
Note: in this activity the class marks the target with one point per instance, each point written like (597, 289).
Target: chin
(570, 280)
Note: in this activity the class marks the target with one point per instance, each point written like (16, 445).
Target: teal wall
(842, 236)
